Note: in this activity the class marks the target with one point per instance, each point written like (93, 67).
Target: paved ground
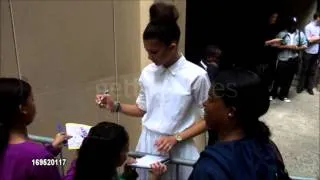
(295, 128)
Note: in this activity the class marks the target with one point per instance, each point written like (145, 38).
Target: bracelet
(117, 107)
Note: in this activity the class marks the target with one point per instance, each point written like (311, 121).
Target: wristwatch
(116, 107)
(178, 137)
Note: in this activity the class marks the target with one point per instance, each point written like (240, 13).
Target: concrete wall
(71, 50)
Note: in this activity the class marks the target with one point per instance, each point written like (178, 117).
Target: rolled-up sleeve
(200, 89)
(141, 99)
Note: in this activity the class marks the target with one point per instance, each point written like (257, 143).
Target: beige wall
(70, 50)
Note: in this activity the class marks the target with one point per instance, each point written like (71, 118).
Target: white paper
(147, 160)
(78, 133)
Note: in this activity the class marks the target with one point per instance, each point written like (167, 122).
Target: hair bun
(162, 13)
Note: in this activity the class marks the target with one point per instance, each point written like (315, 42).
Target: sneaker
(310, 91)
(286, 100)
(270, 98)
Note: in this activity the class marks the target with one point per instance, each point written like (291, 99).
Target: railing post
(177, 172)
(61, 165)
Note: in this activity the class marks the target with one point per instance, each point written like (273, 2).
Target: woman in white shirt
(172, 91)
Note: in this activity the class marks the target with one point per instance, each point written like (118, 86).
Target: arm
(106, 101)
(273, 41)
(56, 146)
(280, 45)
(196, 129)
(304, 41)
(301, 47)
(138, 109)
(312, 39)
(131, 110)
(200, 90)
(135, 110)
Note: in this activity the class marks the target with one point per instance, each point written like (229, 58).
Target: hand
(130, 160)
(158, 168)
(293, 47)
(60, 139)
(165, 143)
(273, 42)
(267, 43)
(105, 101)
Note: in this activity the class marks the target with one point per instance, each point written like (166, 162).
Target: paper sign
(78, 133)
(147, 160)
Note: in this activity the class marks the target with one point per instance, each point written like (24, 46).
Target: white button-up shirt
(172, 97)
(312, 30)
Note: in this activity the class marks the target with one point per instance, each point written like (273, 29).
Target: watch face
(179, 138)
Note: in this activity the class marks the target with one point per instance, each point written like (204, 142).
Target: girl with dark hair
(244, 149)
(101, 153)
(172, 91)
(18, 154)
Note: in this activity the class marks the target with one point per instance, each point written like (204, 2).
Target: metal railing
(43, 139)
(178, 162)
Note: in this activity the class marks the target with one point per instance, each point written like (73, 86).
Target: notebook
(78, 133)
(147, 160)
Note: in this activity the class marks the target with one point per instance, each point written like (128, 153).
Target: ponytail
(258, 130)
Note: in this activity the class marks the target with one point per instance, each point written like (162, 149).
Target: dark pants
(283, 77)
(308, 71)
(266, 73)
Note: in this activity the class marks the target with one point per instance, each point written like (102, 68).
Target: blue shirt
(291, 39)
(244, 159)
(312, 30)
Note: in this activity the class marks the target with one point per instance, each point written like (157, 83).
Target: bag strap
(299, 36)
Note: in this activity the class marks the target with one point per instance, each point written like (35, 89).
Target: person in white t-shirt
(171, 97)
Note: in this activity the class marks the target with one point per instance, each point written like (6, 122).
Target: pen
(60, 129)
(106, 93)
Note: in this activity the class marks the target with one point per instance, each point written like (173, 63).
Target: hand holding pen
(105, 101)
